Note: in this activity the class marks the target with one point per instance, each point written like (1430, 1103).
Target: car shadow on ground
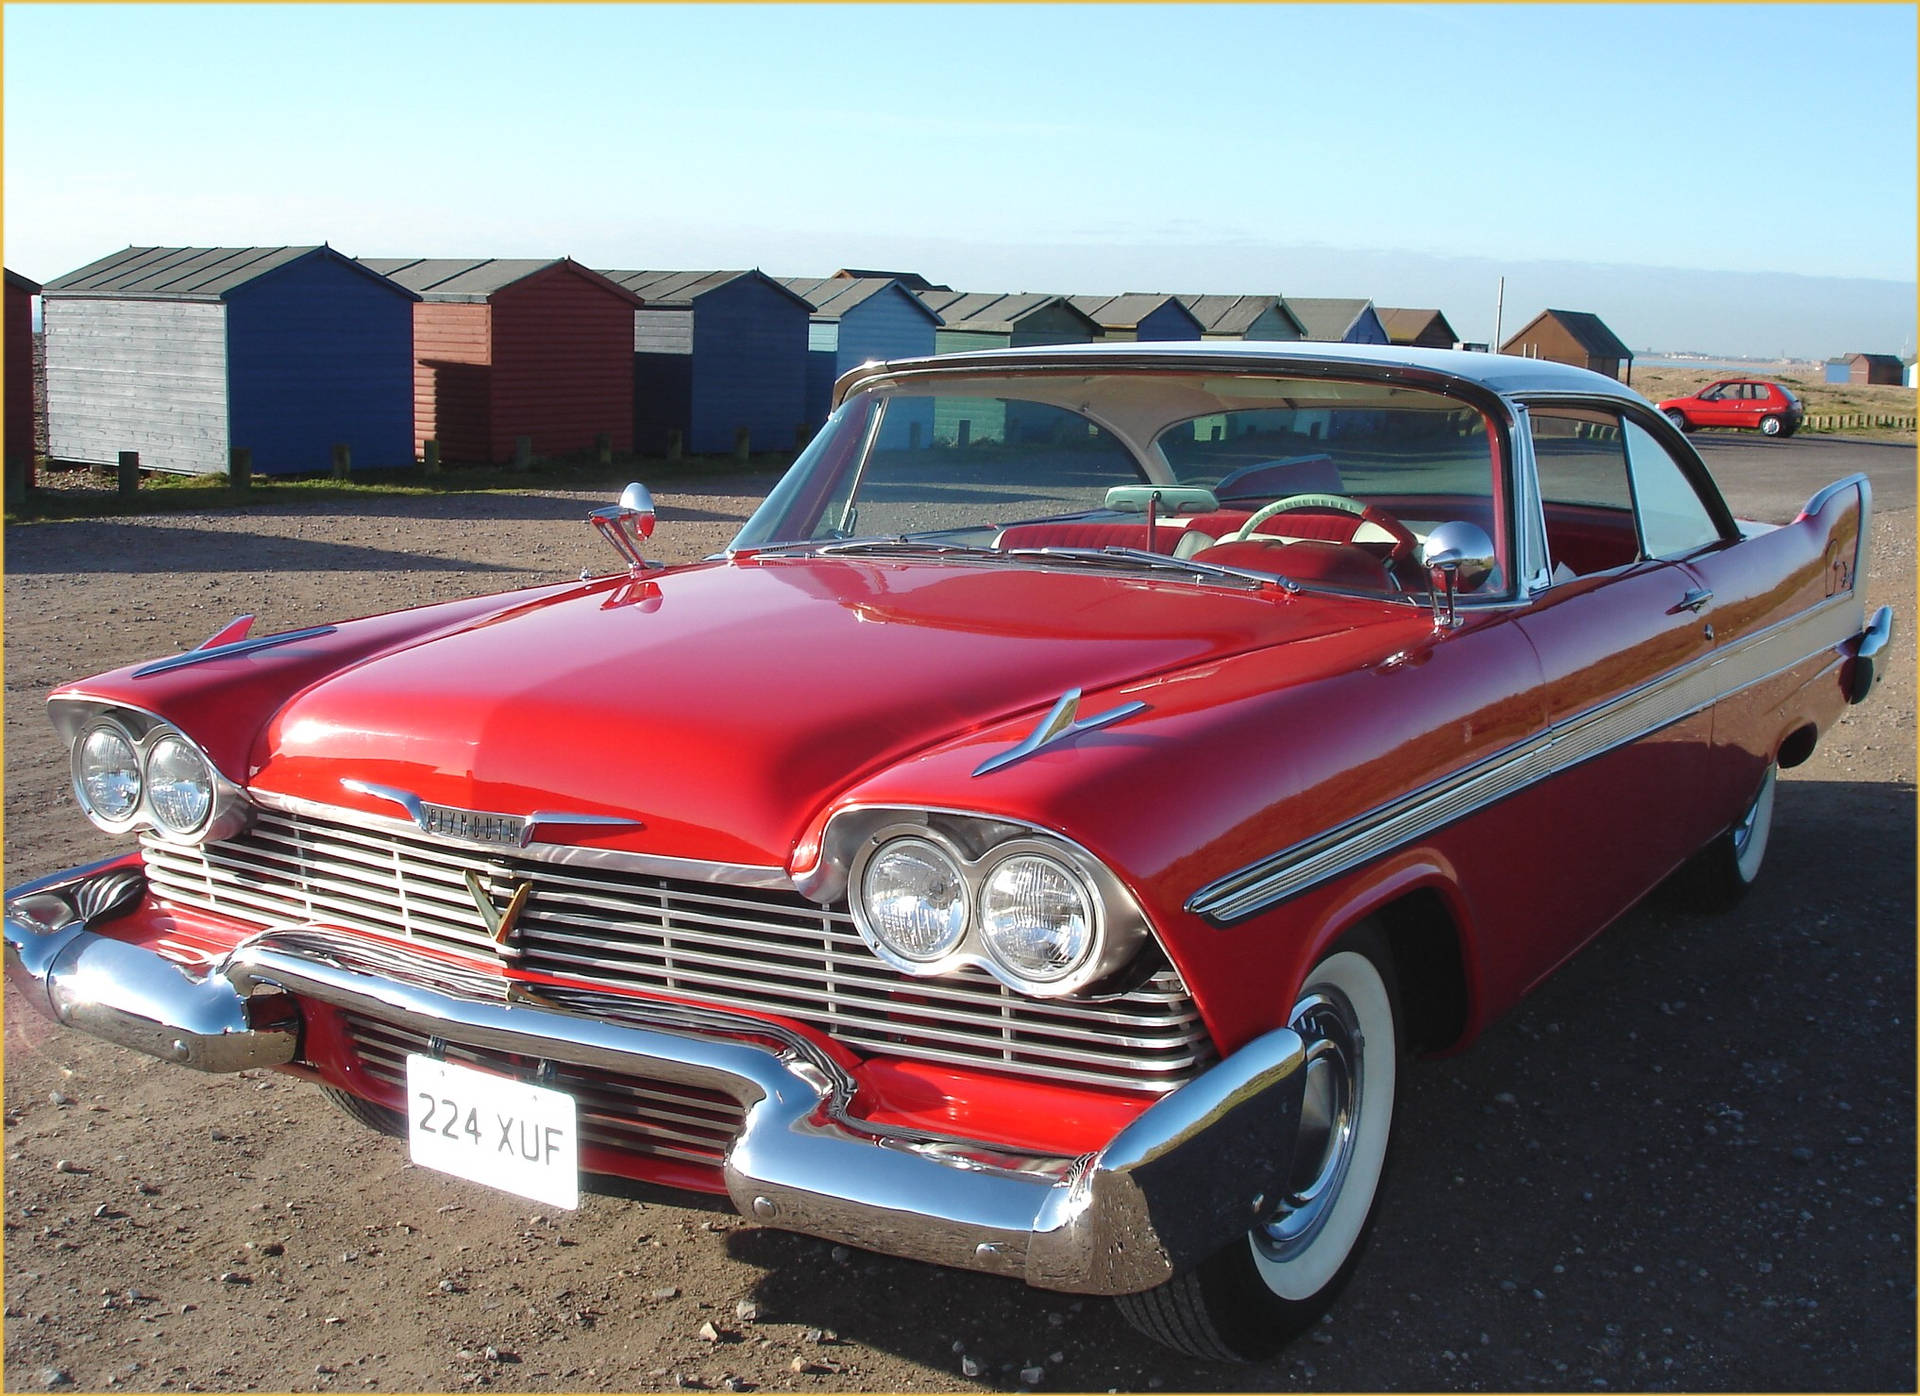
(1686, 1161)
(136, 546)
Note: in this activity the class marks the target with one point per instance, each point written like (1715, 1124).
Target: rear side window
(1673, 520)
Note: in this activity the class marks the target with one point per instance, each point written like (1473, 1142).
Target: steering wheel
(1404, 541)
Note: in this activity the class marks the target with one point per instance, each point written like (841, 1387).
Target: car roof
(1506, 374)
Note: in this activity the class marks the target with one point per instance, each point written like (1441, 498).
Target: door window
(1673, 520)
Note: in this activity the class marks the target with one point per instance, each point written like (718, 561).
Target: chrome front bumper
(1188, 1175)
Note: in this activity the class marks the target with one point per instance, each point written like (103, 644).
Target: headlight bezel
(978, 846)
(110, 823)
(228, 809)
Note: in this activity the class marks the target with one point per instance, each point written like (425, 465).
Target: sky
(1730, 179)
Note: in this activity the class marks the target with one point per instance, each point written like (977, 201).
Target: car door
(1716, 406)
(1619, 635)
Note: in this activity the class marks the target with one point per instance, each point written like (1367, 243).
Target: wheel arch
(1419, 910)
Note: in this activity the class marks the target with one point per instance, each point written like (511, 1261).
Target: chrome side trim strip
(1623, 720)
(1058, 725)
(564, 855)
(228, 651)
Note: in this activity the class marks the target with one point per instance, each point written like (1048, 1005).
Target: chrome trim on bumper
(127, 995)
(1185, 1178)
(1872, 640)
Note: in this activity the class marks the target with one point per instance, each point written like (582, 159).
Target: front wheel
(1771, 426)
(1244, 1302)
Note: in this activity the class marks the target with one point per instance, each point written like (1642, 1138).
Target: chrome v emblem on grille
(499, 923)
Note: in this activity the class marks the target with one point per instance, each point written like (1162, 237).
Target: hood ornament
(484, 827)
(1059, 724)
(626, 524)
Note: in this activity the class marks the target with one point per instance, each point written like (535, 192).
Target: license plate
(488, 1129)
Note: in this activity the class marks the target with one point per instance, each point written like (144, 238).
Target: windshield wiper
(878, 543)
(1142, 560)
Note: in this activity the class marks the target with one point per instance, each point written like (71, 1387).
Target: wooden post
(342, 460)
(742, 444)
(430, 456)
(129, 472)
(913, 436)
(523, 453)
(965, 433)
(676, 443)
(603, 447)
(16, 481)
(240, 468)
(802, 434)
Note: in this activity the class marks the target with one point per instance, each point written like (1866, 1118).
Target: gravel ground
(1687, 1162)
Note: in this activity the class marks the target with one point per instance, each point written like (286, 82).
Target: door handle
(1695, 600)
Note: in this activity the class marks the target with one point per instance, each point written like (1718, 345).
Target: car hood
(721, 706)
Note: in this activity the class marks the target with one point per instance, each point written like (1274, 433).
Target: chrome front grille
(620, 1112)
(759, 949)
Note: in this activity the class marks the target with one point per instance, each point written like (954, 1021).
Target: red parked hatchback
(1754, 403)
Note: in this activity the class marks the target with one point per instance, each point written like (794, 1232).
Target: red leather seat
(1308, 560)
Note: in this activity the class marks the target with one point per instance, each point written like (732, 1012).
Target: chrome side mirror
(1459, 558)
(625, 524)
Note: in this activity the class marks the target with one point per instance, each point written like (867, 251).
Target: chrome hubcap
(1329, 1110)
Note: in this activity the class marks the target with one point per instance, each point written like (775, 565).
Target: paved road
(1770, 480)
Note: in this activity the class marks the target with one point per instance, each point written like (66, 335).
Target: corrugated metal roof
(1125, 312)
(473, 279)
(994, 312)
(912, 280)
(1236, 314)
(187, 273)
(833, 296)
(1589, 331)
(677, 290)
(1327, 318)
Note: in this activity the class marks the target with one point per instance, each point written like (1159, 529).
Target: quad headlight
(130, 768)
(1037, 913)
(106, 775)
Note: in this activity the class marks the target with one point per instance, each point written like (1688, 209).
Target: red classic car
(1753, 403)
(1033, 846)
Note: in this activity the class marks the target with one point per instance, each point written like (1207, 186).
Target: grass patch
(87, 493)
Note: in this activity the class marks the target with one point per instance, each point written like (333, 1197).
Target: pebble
(801, 1366)
(452, 1287)
(970, 1368)
(55, 1376)
(1033, 1376)
(145, 1189)
(60, 1098)
(747, 1311)
(234, 1277)
(660, 1296)
(733, 1383)
(67, 1165)
(840, 1255)
(708, 1333)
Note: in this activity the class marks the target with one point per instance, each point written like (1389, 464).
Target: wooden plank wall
(562, 364)
(133, 375)
(452, 358)
(749, 366)
(320, 352)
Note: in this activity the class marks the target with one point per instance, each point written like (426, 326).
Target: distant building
(1139, 316)
(990, 320)
(715, 351)
(1419, 329)
(856, 319)
(1576, 337)
(1245, 317)
(181, 353)
(19, 355)
(1868, 368)
(1338, 321)
(510, 348)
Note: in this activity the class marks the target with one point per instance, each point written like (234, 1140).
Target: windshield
(1324, 483)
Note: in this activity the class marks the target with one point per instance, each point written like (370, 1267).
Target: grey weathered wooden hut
(991, 320)
(1244, 317)
(181, 353)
